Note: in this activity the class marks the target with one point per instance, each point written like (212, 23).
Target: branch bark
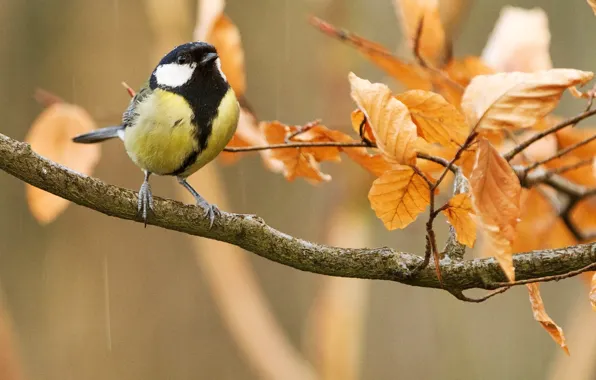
(251, 233)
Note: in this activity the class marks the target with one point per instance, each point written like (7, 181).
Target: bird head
(188, 64)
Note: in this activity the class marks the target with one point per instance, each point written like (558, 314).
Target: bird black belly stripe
(188, 161)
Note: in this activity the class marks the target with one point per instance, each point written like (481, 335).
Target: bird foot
(209, 209)
(145, 202)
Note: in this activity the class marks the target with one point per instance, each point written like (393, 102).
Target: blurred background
(94, 297)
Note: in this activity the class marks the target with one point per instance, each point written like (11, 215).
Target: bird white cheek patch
(218, 65)
(173, 74)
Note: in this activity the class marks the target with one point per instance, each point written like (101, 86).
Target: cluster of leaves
(483, 120)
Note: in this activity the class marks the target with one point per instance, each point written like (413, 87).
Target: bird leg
(145, 202)
(209, 209)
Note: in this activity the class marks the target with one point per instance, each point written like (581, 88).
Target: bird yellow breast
(163, 135)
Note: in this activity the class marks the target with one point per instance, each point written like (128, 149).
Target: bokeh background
(94, 297)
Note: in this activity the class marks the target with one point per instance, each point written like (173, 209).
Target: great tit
(180, 120)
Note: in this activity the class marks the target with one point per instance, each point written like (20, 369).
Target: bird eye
(183, 59)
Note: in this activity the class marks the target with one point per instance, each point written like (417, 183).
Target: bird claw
(145, 202)
(210, 211)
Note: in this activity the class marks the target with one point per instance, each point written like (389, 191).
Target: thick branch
(252, 234)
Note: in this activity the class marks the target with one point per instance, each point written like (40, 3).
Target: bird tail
(100, 135)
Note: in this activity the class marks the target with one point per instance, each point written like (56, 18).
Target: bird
(182, 117)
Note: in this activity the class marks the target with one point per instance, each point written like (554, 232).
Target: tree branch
(251, 233)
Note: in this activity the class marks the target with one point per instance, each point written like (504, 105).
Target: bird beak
(209, 58)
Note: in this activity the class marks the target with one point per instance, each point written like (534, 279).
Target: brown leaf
(520, 41)
(436, 120)
(432, 36)
(458, 213)
(540, 315)
(215, 27)
(389, 118)
(296, 163)
(50, 136)
(593, 292)
(411, 76)
(592, 4)
(321, 134)
(496, 197)
(517, 100)
(571, 136)
(358, 117)
(374, 163)
(398, 196)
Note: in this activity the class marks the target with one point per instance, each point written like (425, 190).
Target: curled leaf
(436, 120)
(399, 196)
(541, 316)
(496, 197)
(517, 100)
(389, 119)
(520, 41)
(592, 4)
(296, 162)
(50, 136)
(459, 216)
(358, 118)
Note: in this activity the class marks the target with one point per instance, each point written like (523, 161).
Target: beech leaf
(517, 100)
(540, 315)
(496, 197)
(520, 41)
(459, 216)
(389, 119)
(436, 119)
(399, 196)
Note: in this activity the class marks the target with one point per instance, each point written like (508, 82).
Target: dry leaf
(411, 76)
(517, 100)
(296, 162)
(458, 214)
(358, 117)
(571, 136)
(398, 196)
(51, 136)
(389, 119)
(215, 27)
(460, 72)
(322, 134)
(520, 41)
(593, 292)
(496, 197)
(592, 4)
(374, 163)
(432, 36)
(540, 315)
(436, 119)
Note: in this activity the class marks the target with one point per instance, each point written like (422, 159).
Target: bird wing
(130, 114)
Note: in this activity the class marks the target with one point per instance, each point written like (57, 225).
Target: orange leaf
(517, 100)
(358, 117)
(50, 136)
(389, 118)
(374, 163)
(570, 136)
(432, 36)
(411, 76)
(321, 134)
(460, 71)
(592, 4)
(398, 196)
(215, 27)
(520, 41)
(458, 214)
(296, 163)
(593, 292)
(540, 315)
(436, 119)
(496, 196)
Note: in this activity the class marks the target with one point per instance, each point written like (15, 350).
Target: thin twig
(302, 129)
(557, 277)
(574, 120)
(562, 152)
(460, 295)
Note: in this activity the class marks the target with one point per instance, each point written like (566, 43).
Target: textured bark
(251, 233)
